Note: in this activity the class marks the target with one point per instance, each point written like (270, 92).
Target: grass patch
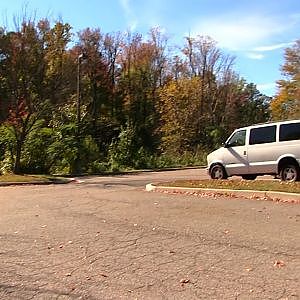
(31, 178)
(259, 185)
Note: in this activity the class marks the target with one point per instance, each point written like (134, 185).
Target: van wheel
(290, 173)
(218, 172)
(249, 176)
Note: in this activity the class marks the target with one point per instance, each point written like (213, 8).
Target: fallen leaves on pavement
(278, 263)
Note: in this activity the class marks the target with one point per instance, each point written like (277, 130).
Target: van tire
(218, 172)
(249, 176)
(290, 172)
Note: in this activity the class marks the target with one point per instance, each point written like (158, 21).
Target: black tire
(249, 176)
(290, 173)
(218, 172)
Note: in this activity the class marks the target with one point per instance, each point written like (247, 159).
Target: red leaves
(18, 113)
(278, 263)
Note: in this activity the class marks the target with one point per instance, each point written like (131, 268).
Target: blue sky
(256, 32)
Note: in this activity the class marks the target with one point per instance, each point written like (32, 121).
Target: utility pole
(79, 60)
(76, 166)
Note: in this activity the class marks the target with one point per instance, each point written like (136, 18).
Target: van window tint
(238, 139)
(263, 135)
(289, 132)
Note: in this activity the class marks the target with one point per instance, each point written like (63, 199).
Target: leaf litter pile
(258, 185)
(255, 185)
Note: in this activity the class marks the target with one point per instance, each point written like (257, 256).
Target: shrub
(7, 149)
(35, 156)
(121, 150)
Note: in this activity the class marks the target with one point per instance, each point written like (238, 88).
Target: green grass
(30, 178)
(259, 185)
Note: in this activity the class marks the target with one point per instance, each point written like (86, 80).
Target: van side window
(289, 132)
(261, 135)
(238, 139)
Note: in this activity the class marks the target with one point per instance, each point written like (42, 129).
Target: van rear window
(261, 135)
(289, 132)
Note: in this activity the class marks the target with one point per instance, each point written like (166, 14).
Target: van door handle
(245, 152)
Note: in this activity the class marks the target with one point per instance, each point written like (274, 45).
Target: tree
(286, 103)
(100, 113)
(23, 69)
(27, 71)
(136, 97)
(214, 69)
(95, 74)
(59, 66)
(179, 107)
(142, 72)
(4, 101)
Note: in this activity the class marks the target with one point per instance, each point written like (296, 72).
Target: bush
(186, 159)
(7, 149)
(96, 167)
(35, 156)
(6, 164)
(121, 150)
(73, 154)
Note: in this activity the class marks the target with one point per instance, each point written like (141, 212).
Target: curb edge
(272, 195)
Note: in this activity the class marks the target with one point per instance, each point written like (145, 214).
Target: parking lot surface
(107, 238)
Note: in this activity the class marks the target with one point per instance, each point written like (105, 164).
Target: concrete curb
(251, 194)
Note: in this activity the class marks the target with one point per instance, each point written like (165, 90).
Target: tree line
(112, 101)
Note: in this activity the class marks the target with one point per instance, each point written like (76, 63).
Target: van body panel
(262, 159)
(264, 148)
(235, 159)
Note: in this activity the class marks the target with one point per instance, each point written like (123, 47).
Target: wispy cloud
(253, 55)
(129, 14)
(272, 47)
(242, 32)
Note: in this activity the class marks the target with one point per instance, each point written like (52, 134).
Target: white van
(270, 148)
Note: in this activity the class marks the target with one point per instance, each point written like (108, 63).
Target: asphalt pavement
(108, 238)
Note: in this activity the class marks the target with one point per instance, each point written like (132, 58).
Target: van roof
(270, 123)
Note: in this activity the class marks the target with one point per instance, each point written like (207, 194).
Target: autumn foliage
(142, 102)
(286, 104)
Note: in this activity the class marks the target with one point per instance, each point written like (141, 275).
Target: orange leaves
(285, 104)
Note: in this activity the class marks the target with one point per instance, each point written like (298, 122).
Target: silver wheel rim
(289, 174)
(218, 173)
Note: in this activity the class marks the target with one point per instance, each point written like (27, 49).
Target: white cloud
(272, 47)
(241, 32)
(253, 55)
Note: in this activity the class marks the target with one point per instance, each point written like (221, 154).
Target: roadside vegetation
(31, 178)
(259, 185)
(97, 101)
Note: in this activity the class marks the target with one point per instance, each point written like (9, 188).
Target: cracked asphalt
(107, 238)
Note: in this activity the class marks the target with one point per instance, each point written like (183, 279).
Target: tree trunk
(17, 166)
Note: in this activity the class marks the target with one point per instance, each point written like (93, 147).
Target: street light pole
(76, 166)
(79, 59)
